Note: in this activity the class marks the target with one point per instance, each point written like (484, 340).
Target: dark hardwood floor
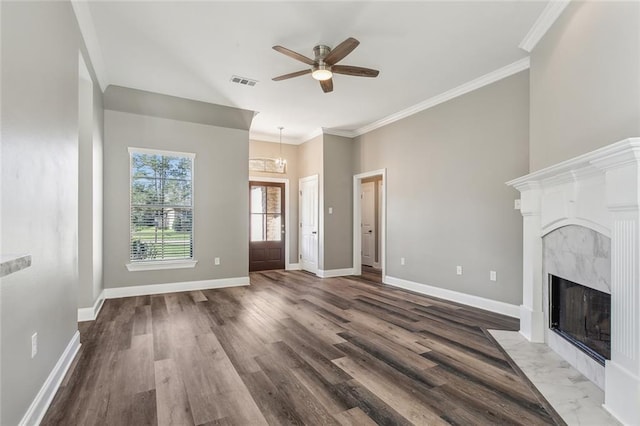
(294, 349)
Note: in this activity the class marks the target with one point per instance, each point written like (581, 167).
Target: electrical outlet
(402, 260)
(34, 345)
(330, 210)
(493, 276)
(516, 204)
(216, 261)
(459, 270)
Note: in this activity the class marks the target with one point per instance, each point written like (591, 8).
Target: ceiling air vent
(243, 80)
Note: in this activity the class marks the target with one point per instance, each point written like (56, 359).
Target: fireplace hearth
(581, 315)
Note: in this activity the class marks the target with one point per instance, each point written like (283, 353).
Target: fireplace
(581, 315)
(599, 191)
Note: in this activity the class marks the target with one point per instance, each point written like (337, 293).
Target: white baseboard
(331, 273)
(455, 296)
(293, 267)
(143, 290)
(90, 314)
(41, 402)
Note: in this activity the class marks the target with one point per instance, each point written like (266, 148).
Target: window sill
(157, 266)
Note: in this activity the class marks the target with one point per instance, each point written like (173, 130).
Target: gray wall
(310, 162)
(447, 203)
(585, 84)
(40, 45)
(220, 195)
(261, 149)
(338, 194)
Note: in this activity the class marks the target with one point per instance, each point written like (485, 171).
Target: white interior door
(368, 223)
(309, 224)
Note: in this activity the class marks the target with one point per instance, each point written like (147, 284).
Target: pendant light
(281, 162)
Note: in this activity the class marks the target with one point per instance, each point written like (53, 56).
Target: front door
(266, 226)
(368, 223)
(309, 223)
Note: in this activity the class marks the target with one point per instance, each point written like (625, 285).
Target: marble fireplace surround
(581, 255)
(600, 191)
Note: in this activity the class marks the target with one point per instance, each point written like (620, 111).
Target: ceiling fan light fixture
(322, 73)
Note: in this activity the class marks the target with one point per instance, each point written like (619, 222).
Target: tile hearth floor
(574, 397)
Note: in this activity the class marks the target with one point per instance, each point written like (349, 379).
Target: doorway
(369, 221)
(308, 205)
(370, 202)
(267, 232)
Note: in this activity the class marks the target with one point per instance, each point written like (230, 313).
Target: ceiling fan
(324, 64)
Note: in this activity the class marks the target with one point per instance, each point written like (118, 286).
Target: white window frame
(153, 265)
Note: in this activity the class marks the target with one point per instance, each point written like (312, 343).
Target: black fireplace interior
(581, 315)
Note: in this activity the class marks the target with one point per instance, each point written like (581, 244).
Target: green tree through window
(161, 206)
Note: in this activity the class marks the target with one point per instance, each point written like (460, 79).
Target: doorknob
(313, 232)
(370, 231)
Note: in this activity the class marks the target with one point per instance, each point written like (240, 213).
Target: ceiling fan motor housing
(320, 52)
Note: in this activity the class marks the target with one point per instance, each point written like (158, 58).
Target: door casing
(368, 226)
(357, 212)
(287, 264)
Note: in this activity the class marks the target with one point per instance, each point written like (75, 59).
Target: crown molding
(273, 138)
(88, 31)
(465, 88)
(314, 134)
(546, 19)
(338, 132)
(263, 137)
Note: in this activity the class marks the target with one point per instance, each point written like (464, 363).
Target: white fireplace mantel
(599, 190)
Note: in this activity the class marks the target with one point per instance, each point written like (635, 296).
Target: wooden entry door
(266, 226)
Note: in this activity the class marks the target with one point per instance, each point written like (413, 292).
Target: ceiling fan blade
(291, 75)
(294, 55)
(327, 85)
(357, 71)
(341, 50)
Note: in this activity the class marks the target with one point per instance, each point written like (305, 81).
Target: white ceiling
(191, 50)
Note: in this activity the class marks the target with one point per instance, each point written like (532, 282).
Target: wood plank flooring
(294, 349)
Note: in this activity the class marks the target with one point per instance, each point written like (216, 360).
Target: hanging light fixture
(281, 162)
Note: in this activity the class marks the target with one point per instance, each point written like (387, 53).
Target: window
(161, 206)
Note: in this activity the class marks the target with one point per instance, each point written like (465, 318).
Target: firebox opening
(582, 316)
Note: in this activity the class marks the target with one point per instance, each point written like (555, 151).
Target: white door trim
(320, 235)
(357, 211)
(287, 265)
